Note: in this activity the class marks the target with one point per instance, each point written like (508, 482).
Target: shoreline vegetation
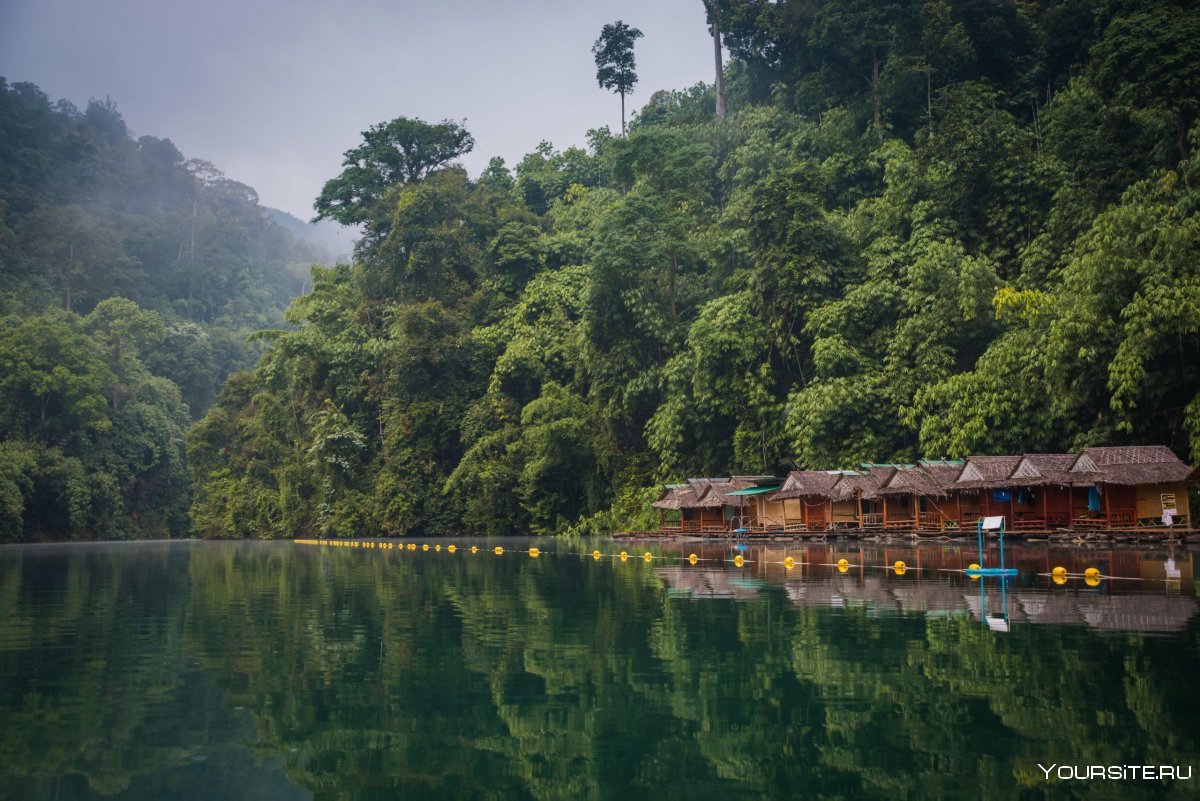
(915, 230)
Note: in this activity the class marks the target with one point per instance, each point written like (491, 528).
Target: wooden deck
(1030, 528)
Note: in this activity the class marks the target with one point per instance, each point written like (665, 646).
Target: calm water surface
(273, 670)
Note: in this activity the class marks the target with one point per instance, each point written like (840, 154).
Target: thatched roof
(1131, 464)
(676, 497)
(986, 472)
(807, 483)
(714, 493)
(1046, 469)
(852, 484)
(918, 480)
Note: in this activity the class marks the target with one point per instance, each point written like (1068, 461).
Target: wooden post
(1107, 519)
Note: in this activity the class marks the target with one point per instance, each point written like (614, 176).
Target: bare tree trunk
(674, 269)
(67, 277)
(875, 95)
(715, 10)
(622, 113)
(192, 253)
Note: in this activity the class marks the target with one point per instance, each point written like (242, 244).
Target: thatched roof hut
(807, 483)
(1131, 465)
(676, 497)
(919, 479)
(852, 484)
(986, 472)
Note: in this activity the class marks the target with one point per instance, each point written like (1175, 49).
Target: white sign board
(993, 523)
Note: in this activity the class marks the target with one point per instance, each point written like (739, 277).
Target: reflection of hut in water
(1146, 613)
(930, 596)
(1151, 613)
(871, 592)
(707, 582)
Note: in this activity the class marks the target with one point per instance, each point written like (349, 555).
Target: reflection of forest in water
(255, 670)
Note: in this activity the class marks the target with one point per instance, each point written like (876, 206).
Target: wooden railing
(872, 520)
(929, 521)
(1121, 517)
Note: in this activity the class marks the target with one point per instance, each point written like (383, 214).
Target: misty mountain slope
(130, 280)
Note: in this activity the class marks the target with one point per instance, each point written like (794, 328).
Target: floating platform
(1079, 536)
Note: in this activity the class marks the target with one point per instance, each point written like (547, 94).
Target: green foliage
(91, 441)
(615, 62)
(402, 151)
(926, 229)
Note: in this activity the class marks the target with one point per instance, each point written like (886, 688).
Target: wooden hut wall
(1119, 502)
(1055, 502)
(897, 509)
(1150, 501)
(815, 518)
(969, 505)
(843, 511)
(770, 513)
(793, 510)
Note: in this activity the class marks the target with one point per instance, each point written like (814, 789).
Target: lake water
(277, 670)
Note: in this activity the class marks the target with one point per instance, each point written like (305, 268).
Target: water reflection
(267, 670)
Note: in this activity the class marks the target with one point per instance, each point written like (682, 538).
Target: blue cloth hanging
(1093, 499)
(1002, 495)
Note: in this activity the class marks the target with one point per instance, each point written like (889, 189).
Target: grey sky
(273, 92)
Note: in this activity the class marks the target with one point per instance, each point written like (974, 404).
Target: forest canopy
(923, 229)
(909, 228)
(130, 280)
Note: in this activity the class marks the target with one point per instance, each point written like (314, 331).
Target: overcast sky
(273, 92)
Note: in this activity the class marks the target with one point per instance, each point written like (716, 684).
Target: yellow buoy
(1092, 572)
(843, 565)
(789, 563)
(534, 552)
(973, 566)
(437, 547)
(412, 546)
(497, 550)
(451, 548)
(648, 556)
(1060, 578)
(738, 561)
(1059, 571)
(425, 547)
(596, 555)
(1092, 581)
(474, 549)
(624, 556)
(693, 559)
(899, 565)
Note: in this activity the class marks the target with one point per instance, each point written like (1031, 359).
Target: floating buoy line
(1091, 576)
(789, 563)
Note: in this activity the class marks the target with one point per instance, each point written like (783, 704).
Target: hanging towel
(1002, 495)
(1093, 499)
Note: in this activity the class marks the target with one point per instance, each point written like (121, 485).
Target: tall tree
(712, 9)
(397, 152)
(615, 63)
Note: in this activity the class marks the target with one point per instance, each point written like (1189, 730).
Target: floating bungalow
(1104, 488)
